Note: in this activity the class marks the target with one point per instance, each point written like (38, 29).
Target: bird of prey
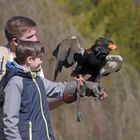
(89, 61)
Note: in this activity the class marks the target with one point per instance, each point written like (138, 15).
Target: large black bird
(89, 61)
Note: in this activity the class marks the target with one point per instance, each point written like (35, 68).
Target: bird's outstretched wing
(113, 64)
(64, 53)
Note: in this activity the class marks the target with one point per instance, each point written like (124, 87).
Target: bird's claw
(80, 79)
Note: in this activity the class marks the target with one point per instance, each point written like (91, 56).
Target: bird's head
(112, 46)
(106, 43)
(101, 48)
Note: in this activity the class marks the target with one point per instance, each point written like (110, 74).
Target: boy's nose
(41, 61)
(35, 38)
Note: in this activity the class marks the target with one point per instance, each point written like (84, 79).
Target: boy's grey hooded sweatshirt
(26, 111)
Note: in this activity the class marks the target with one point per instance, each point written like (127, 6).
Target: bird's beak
(112, 46)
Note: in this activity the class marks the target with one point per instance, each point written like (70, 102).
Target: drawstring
(78, 112)
(80, 91)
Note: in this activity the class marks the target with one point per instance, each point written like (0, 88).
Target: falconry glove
(86, 89)
(92, 89)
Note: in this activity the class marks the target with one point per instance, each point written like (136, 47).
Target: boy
(26, 110)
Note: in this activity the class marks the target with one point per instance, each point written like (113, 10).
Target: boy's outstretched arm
(66, 92)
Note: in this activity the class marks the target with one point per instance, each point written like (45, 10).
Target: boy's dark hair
(17, 26)
(28, 48)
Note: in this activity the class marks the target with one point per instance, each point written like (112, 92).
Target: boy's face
(35, 64)
(29, 35)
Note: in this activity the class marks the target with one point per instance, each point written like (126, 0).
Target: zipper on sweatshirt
(30, 130)
(41, 107)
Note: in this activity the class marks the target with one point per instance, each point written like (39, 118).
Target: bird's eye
(98, 49)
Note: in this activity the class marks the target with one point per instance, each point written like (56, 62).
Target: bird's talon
(80, 79)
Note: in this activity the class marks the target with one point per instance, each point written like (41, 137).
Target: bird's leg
(80, 79)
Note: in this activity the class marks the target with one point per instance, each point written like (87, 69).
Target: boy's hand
(88, 88)
(92, 88)
(103, 95)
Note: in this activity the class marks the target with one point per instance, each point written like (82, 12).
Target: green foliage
(79, 6)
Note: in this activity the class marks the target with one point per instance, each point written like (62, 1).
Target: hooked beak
(112, 46)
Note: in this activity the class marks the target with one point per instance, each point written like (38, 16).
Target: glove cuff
(69, 95)
(71, 89)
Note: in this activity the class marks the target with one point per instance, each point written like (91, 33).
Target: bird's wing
(64, 53)
(114, 64)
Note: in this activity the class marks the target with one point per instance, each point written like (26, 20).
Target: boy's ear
(29, 58)
(14, 41)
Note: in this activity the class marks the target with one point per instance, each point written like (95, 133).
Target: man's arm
(4, 55)
(55, 103)
(11, 110)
